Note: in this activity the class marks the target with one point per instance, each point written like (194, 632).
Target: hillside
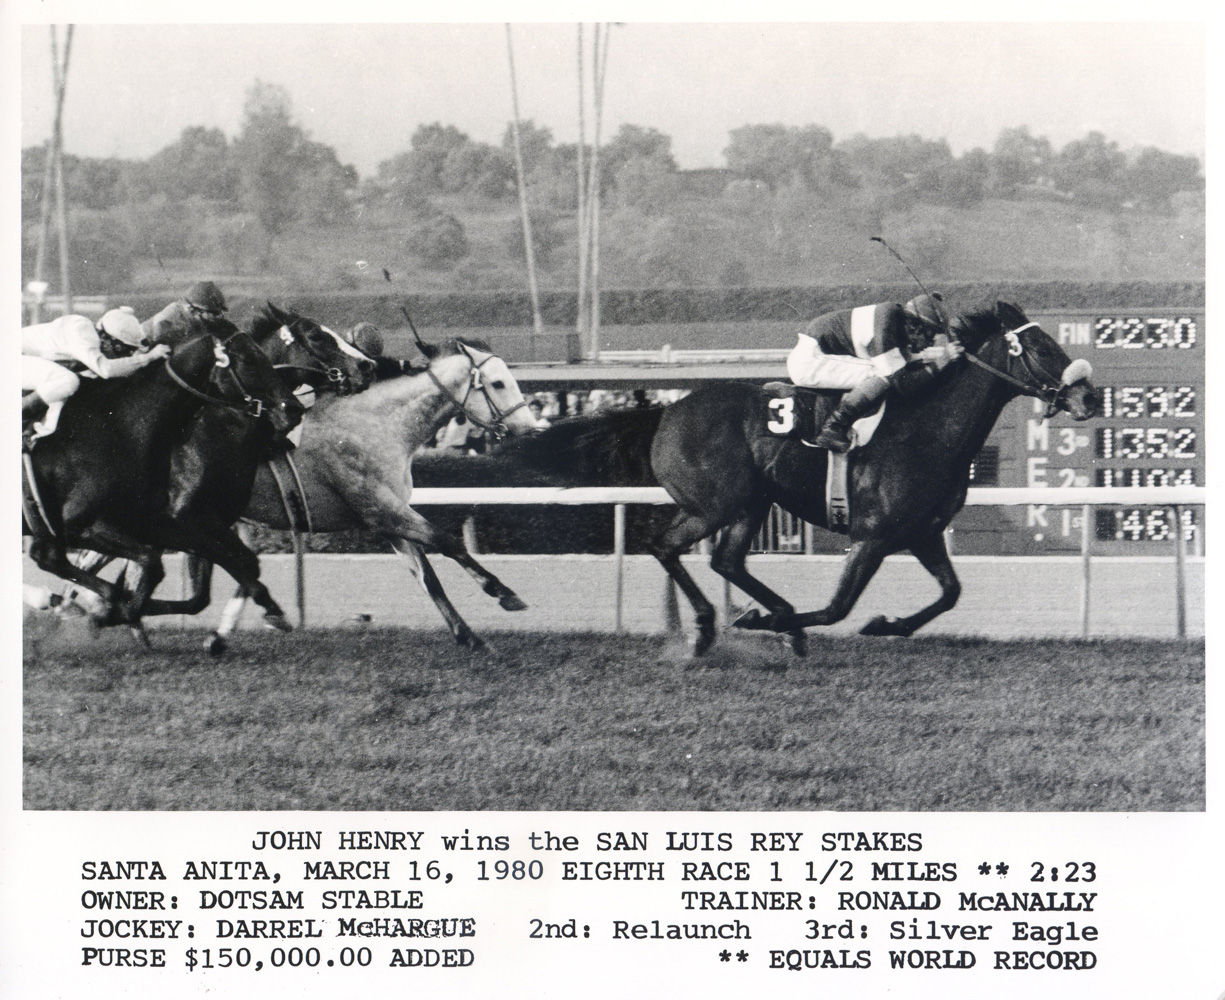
(742, 238)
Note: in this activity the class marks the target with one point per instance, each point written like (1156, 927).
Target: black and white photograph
(632, 507)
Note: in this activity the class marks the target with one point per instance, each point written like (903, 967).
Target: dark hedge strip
(632, 307)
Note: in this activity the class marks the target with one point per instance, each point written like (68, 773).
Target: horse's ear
(276, 313)
(1008, 314)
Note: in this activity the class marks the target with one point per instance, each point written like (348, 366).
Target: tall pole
(537, 319)
(53, 180)
(600, 65)
(582, 325)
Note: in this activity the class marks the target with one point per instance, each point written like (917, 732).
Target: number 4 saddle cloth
(795, 411)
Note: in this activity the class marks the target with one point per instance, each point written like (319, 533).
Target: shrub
(438, 241)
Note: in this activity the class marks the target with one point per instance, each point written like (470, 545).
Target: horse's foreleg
(860, 566)
(728, 561)
(221, 545)
(428, 579)
(412, 527)
(51, 556)
(684, 531)
(933, 554)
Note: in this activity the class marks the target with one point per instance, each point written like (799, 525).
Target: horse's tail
(612, 448)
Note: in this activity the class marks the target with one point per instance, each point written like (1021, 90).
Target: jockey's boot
(859, 402)
(33, 409)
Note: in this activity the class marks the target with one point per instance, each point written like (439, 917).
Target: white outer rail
(1085, 497)
(1112, 496)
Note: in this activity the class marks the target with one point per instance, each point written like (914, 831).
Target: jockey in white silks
(867, 351)
(112, 349)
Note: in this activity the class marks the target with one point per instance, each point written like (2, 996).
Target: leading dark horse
(715, 455)
(102, 482)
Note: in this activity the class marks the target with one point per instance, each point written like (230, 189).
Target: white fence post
(619, 558)
(1085, 570)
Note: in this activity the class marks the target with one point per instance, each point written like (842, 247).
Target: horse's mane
(984, 320)
(451, 345)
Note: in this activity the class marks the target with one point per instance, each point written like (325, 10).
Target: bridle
(1043, 385)
(475, 382)
(251, 406)
(338, 378)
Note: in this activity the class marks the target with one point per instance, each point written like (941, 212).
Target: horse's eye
(498, 385)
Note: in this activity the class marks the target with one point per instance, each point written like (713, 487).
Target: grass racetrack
(375, 718)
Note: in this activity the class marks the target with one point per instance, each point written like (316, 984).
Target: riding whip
(429, 350)
(922, 287)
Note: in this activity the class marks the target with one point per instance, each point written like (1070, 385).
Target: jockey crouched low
(368, 339)
(115, 347)
(203, 301)
(869, 350)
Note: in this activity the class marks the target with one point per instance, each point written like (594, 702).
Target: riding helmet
(123, 325)
(367, 339)
(928, 309)
(207, 297)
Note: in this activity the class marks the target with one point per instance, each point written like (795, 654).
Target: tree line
(275, 174)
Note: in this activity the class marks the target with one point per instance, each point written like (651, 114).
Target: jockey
(203, 300)
(868, 350)
(368, 339)
(112, 349)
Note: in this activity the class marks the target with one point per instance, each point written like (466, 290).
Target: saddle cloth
(786, 419)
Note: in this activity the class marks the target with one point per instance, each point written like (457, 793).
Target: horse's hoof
(512, 602)
(752, 620)
(701, 644)
(141, 636)
(472, 642)
(798, 641)
(215, 645)
(880, 625)
(278, 622)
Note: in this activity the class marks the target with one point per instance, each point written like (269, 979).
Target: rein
(1048, 388)
(251, 406)
(498, 425)
(336, 376)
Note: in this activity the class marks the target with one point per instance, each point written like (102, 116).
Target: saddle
(795, 411)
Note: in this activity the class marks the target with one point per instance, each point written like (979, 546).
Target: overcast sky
(363, 89)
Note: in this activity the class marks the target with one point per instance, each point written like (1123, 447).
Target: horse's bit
(497, 427)
(336, 376)
(1048, 388)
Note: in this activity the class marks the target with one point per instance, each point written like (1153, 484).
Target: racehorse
(212, 471)
(716, 455)
(354, 464)
(102, 481)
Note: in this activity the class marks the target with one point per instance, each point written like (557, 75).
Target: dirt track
(1003, 598)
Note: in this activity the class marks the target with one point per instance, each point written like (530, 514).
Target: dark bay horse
(714, 454)
(102, 481)
(355, 467)
(213, 468)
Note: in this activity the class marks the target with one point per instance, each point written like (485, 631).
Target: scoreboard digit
(1149, 369)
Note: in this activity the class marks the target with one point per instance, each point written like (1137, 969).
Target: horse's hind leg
(424, 572)
(200, 573)
(860, 566)
(684, 531)
(410, 526)
(933, 554)
(728, 562)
